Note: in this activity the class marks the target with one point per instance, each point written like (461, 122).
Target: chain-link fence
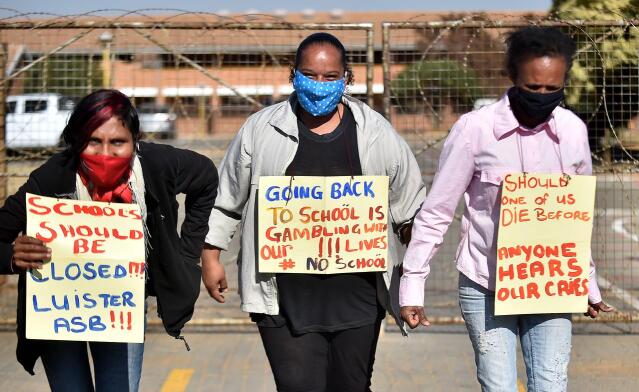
(196, 77)
(436, 71)
(191, 76)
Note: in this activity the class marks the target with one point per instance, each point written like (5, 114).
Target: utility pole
(3, 148)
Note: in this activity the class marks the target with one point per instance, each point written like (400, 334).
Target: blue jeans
(117, 366)
(545, 343)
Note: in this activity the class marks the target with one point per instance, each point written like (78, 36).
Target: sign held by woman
(323, 225)
(543, 245)
(93, 287)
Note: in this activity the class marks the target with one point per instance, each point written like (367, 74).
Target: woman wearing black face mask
(525, 131)
(538, 76)
(530, 107)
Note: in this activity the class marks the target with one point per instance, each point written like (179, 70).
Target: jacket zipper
(290, 159)
(182, 338)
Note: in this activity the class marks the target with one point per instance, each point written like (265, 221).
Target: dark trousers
(117, 366)
(319, 361)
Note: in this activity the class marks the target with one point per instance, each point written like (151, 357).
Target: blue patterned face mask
(318, 98)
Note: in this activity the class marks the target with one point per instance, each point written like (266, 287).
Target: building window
(143, 101)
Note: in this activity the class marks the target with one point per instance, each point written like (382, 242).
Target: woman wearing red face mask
(104, 161)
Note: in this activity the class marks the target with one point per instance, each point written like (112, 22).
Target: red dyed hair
(94, 110)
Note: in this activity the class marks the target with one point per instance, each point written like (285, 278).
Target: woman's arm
(233, 190)
(407, 190)
(197, 178)
(19, 252)
(455, 171)
(595, 301)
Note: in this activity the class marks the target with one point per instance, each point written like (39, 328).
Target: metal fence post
(3, 148)
(386, 69)
(370, 64)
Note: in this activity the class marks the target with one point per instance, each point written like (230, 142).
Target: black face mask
(532, 109)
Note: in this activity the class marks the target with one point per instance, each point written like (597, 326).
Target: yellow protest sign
(93, 287)
(543, 245)
(323, 225)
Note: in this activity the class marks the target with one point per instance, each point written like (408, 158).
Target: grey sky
(74, 7)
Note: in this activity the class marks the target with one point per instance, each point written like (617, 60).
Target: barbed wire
(43, 20)
(445, 28)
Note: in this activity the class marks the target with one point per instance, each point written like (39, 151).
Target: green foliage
(595, 9)
(606, 56)
(430, 85)
(70, 75)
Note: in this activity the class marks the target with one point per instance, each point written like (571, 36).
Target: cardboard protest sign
(543, 245)
(93, 287)
(323, 225)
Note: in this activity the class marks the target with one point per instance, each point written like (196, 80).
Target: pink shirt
(482, 147)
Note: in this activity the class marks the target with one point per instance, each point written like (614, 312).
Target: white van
(36, 120)
(157, 120)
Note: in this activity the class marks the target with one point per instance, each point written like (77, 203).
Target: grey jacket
(265, 146)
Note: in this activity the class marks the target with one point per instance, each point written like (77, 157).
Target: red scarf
(106, 177)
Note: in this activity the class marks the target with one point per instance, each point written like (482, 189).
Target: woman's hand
(594, 309)
(405, 234)
(29, 252)
(213, 275)
(414, 316)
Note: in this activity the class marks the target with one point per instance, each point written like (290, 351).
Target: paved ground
(439, 360)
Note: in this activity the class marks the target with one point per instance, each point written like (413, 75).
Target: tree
(449, 68)
(606, 65)
(429, 85)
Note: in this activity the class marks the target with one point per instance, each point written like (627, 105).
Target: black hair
(94, 110)
(533, 42)
(322, 38)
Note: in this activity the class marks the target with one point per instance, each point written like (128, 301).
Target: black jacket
(172, 264)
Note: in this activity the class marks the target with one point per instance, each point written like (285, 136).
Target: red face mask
(105, 171)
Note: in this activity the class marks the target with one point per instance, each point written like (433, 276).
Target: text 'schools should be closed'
(93, 287)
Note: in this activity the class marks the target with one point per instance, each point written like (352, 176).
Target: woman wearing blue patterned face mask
(318, 98)
(319, 331)
(319, 77)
